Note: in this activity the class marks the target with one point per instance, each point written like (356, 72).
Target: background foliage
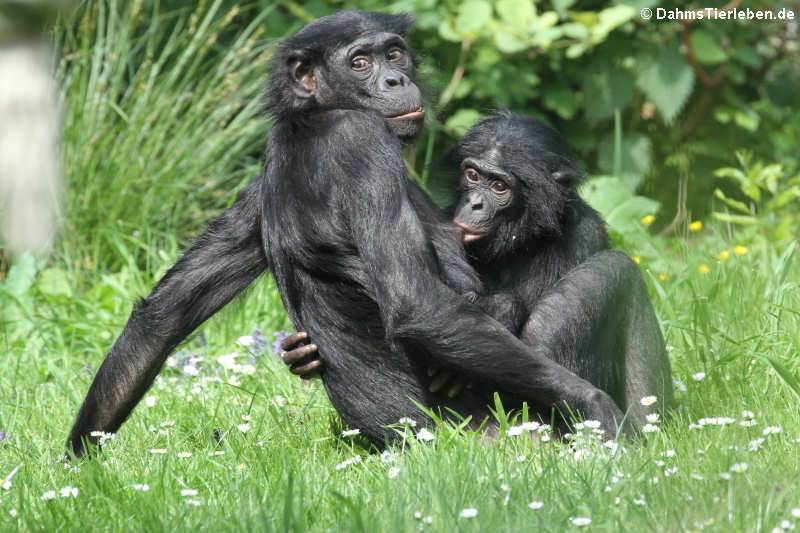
(691, 131)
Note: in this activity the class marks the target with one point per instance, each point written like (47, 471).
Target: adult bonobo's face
(487, 192)
(352, 60)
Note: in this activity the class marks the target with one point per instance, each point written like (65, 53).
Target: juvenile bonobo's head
(349, 60)
(516, 177)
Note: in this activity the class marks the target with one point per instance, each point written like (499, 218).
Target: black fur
(360, 257)
(551, 249)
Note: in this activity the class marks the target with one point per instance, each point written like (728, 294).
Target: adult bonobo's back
(353, 245)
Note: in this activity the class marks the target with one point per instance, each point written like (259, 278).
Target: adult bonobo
(371, 275)
(528, 233)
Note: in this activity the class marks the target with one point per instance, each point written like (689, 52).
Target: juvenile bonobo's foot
(599, 406)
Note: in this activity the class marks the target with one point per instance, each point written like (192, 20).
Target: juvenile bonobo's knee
(505, 307)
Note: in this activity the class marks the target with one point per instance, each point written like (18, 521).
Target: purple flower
(3, 435)
(276, 344)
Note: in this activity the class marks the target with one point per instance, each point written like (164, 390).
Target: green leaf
(517, 13)
(448, 32)
(621, 209)
(609, 19)
(508, 44)
(561, 7)
(573, 30)
(462, 120)
(667, 80)
(736, 219)
(730, 202)
(563, 101)
(705, 48)
(636, 152)
(20, 275)
(472, 17)
(55, 282)
(605, 89)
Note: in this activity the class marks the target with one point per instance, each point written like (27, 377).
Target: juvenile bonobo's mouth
(411, 115)
(468, 234)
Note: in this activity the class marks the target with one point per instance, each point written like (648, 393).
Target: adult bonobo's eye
(395, 54)
(499, 186)
(360, 63)
(472, 175)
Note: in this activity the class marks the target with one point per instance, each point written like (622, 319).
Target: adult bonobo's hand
(301, 357)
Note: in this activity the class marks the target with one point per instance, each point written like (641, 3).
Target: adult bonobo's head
(349, 60)
(516, 178)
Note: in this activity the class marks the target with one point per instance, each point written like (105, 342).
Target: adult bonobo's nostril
(396, 79)
(476, 202)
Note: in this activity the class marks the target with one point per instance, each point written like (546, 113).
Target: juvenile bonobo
(372, 276)
(528, 233)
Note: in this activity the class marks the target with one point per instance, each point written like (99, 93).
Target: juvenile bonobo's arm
(222, 263)
(421, 313)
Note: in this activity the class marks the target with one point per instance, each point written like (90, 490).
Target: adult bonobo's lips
(411, 115)
(468, 234)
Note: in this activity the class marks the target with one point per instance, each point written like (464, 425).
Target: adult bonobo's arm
(420, 312)
(446, 240)
(226, 258)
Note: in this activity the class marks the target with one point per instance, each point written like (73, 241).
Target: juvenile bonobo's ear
(568, 177)
(302, 73)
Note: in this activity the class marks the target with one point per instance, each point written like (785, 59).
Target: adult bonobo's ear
(302, 71)
(568, 177)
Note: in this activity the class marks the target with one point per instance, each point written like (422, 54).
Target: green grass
(148, 161)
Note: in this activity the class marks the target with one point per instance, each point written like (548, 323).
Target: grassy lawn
(162, 127)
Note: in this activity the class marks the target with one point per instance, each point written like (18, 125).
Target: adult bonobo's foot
(599, 406)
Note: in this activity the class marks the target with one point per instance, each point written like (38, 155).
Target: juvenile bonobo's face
(374, 71)
(487, 193)
(516, 180)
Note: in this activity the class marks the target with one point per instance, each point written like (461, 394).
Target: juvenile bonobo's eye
(360, 63)
(395, 54)
(472, 176)
(499, 186)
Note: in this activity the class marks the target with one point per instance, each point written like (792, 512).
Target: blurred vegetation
(661, 105)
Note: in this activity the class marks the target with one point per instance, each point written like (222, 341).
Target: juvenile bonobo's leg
(598, 322)
(223, 262)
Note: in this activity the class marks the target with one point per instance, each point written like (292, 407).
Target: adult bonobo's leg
(223, 261)
(599, 323)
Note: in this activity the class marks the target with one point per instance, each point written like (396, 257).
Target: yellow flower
(662, 277)
(697, 225)
(636, 259)
(724, 255)
(649, 219)
(739, 250)
(703, 269)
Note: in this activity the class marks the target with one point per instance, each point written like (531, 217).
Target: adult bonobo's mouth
(410, 115)
(468, 234)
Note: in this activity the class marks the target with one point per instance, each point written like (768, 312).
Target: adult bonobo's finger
(439, 381)
(307, 370)
(293, 340)
(298, 354)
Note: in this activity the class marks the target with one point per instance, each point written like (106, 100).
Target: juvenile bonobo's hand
(301, 358)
